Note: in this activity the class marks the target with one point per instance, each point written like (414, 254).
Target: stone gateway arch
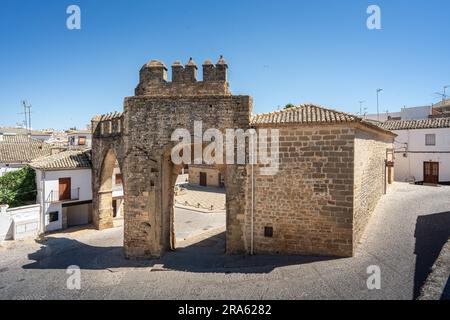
(318, 203)
(140, 140)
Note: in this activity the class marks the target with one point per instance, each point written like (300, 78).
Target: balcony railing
(54, 196)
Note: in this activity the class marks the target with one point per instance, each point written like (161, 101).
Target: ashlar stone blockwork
(142, 145)
(332, 167)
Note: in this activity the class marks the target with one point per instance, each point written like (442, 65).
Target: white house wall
(79, 179)
(8, 168)
(410, 158)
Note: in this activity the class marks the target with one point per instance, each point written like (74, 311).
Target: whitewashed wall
(20, 223)
(49, 181)
(411, 167)
(12, 167)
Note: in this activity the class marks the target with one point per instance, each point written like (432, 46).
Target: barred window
(430, 139)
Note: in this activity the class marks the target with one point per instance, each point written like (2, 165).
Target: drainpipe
(43, 209)
(253, 194)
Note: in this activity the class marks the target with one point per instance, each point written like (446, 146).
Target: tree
(18, 188)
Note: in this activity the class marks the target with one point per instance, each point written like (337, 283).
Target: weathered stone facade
(309, 202)
(143, 149)
(317, 203)
(372, 151)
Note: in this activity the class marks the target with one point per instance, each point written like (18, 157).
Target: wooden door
(431, 172)
(64, 188)
(203, 179)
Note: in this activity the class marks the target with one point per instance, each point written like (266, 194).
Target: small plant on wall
(289, 106)
(18, 188)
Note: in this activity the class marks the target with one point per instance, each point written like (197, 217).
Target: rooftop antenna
(443, 94)
(360, 106)
(27, 113)
(378, 103)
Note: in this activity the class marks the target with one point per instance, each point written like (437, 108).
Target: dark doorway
(114, 205)
(431, 172)
(203, 179)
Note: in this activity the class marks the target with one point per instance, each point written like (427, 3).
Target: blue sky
(278, 52)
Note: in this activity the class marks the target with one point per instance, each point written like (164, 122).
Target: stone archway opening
(196, 210)
(110, 194)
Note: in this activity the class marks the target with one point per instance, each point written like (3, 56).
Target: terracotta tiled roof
(108, 116)
(304, 114)
(21, 149)
(23, 131)
(311, 114)
(416, 124)
(64, 160)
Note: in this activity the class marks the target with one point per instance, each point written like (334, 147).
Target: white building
(64, 189)
(42, 135)
(117, 192)
(422, 150)
(79, 138)
(413, 113)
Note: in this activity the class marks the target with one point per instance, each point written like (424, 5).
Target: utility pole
(378, 103)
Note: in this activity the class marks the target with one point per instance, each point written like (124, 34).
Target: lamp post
(378, 103)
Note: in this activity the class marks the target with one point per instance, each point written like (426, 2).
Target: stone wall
(329, 180)
(370, 181)
(150, 174)
(309, 202)
(212, 175)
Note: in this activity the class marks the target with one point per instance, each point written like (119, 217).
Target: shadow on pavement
(432, 232)
(204, 256)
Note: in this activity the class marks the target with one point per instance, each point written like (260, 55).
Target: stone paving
(190, 223)
(404, 237)
(206, 199)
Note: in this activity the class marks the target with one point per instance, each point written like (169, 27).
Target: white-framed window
(430, 139)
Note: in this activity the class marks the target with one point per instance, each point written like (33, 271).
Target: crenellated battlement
(153, 79)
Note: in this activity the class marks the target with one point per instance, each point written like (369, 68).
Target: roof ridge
(303, 105)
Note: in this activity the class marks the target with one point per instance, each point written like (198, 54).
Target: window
(65, 189)
(81, 140)
(53, 216)
(430, 139)
(119, 179)
(268, 232)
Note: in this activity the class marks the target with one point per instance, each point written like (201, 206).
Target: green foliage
(288, 106)
(18, 188)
